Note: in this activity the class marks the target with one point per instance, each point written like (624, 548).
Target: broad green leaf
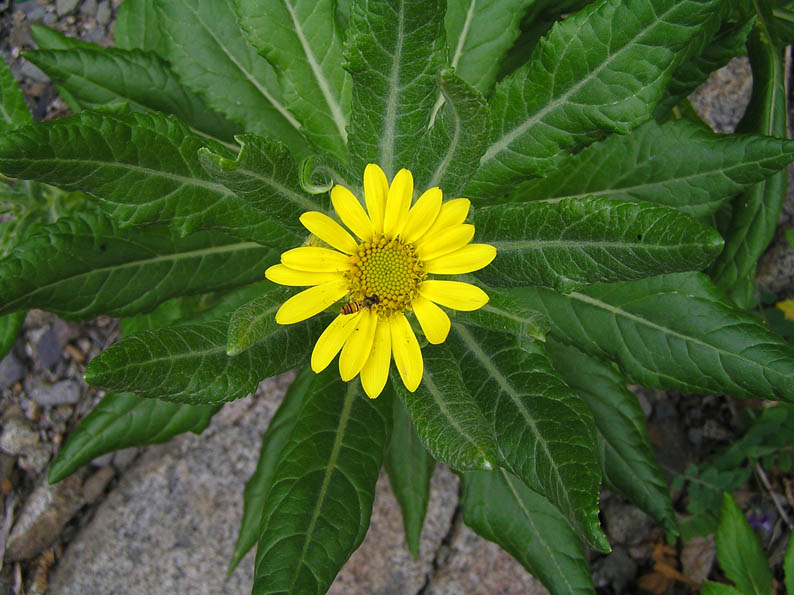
(142, 79)
(394, 51)
(499, 507)
(317, 510)
(600, 70)
(788, 566)
(93, 267)
(756, 211)
(303, 42)
(712, 588)
(273, 442)
(142, 168)
(445, 415)
(739, 551)
(479, 34)
(452, 148)
(188, 363)
(545, 433)
(208, 49)
(13, 109)
(678, 164)
(122, 420)
(628, 463)
(674, 332)
(507, 313)
(254, 320)
(50, 39)
(266, 176)
(137, 27)
(10, 327)
(410, 468)
(574, 242)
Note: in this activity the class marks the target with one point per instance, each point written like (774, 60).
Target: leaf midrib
(390, 120)
(521, 245)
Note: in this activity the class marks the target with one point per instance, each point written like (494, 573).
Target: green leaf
(507, 313)
(446, 417)
(394, 50)
(13, 109)
(451, 150)
(674, 332)
(712, 588)
(50, 39)
(756, 211)
(208, 49)
(273, 443)
(550, 438)
(122, 420)
(739, 551)
(628, 463)
(499, 507)
(10, 327)
(560, 101)
(143, 169)
(303, 42)
(678, 164)
(479, 34)
(318, 508)
(788, 566)
(188, 363)
(254, 320)
(571, 243)
(266, 176)
(410, 468)
(93, 267)
(142, 79)
(138, 27)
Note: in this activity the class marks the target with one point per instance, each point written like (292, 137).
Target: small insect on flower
(353, 307)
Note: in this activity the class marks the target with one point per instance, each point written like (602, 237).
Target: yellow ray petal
(454, 294)
(351, 212)
(358, 346)
(433, 320)
(470, 258)
(311, 301)
(407, 354)
(376, 188)
(284, 275)
(316, 259)
(444, 242)
(398, 202)
(331, 341)
(422, 214)
(329, 231)
(453, 212)
(376, 371)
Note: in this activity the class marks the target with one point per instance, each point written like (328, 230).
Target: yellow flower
(382, 274)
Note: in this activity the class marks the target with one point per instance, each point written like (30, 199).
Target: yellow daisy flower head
(383, 273)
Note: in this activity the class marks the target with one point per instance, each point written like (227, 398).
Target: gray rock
(17, 436)
(32, 71)
(50, 18)
(103, 460)
(124, 458)
(104, 13)
(615, 571)
(88, 7)
(45, 512)
(96, 484)
(624, 523)
(34, 459)
(722, 99)
(11, 370)
(65, 392)
(48, 347)
(64, 7)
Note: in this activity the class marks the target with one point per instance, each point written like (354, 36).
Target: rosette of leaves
(201, 137)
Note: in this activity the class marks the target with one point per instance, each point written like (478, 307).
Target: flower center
(384, 275)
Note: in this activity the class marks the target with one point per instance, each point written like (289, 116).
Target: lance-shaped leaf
(571, 243)
(628, 464)
(451, 150)
(266, 176)
(254, 320)
(143, 168)
(138, 27)
(93, 267)
(446, 417)
(678, 164)
(410, 468)
(674, 332)
(13, 109)
(756, 211)
(479, 33)
(545, 433)
(142, 79)
(317, 510)
(500, 508)
(600, 70)
(188, 363)
(302, 40)
(273, 442)
(507, 313)
(10, 327)
(209, 51)
(394, 52)
(122, 420)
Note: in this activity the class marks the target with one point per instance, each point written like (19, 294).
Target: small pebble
(11, 370)
(50, 19)
(104, 13)
(96, 484)
(17, 436)
(123, 458)
(88, 7)
(65, 392)
(48, 347)
(35, 459)
(65, 6)
(103, 460)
